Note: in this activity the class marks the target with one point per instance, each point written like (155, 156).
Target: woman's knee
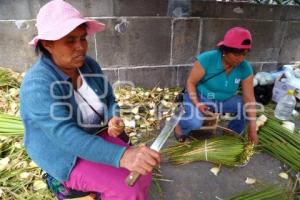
(138, 191)
(135, 193)
(196, 122)
(239, 102)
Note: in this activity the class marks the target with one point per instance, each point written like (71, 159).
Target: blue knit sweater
(53, 136)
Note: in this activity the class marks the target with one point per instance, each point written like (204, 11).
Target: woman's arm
(195, 76)
(250, 106)
(55, 119)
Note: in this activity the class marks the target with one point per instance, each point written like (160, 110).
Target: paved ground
(196, 182)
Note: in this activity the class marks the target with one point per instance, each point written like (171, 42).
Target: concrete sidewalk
(194, 181)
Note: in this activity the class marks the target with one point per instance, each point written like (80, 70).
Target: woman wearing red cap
(64, 98)
(213, 83)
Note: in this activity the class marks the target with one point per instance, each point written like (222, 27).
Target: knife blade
(160, 140)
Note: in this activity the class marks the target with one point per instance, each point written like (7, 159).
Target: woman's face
(234, 59)
(69, 52)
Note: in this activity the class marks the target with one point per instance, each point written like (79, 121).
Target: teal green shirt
(223, 86)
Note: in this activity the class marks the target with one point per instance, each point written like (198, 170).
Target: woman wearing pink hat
(64, 98)
(213, 83)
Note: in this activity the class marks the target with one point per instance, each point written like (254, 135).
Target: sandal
(180, 138)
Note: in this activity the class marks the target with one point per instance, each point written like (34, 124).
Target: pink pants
(108, 180)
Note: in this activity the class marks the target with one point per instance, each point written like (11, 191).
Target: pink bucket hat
(234, 38)
(58, 18)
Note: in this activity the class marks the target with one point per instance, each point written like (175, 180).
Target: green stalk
(11, 125)
(266, 192)
(280, 142)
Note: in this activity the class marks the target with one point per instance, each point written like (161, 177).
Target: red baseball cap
(235, 37)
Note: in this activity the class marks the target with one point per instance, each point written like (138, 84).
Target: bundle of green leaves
(280, 142)
(226, 150)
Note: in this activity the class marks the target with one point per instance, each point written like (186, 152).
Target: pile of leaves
(9, 91)
(144, 111)
(20, 178)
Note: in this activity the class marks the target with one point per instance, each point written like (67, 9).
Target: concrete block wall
(152, 48)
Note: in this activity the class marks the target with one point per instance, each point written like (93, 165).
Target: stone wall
(144, 45)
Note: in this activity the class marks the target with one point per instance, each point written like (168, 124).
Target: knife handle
(132, 178)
